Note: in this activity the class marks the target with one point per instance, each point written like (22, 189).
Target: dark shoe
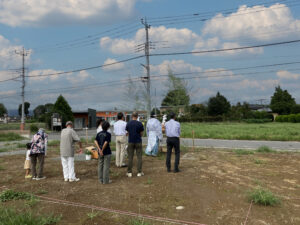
(177, 171)
(169, 170)
(124, 165)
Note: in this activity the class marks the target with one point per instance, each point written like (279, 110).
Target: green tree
(156, 110)
(62, 107)
(282, 102)
(218, 105)
(296, 109)
(49, 107)
(3, 110)
(26, 108)
(240, 111)
(177, 94)
(39, 112)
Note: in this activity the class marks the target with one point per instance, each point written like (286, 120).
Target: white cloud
(258, 22)
(10, 92)
(245, 84)
(170, 37)
(215, 43)
(113, 67)
(79, 77)
(283, 74)
(57, 12)
(8, 56)
(39, 75)
(177, 66)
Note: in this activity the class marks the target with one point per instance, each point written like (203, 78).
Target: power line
(164, 76)
(227, 49)
(195, 17)
(210, 12)
(88, 68)
(89, 40)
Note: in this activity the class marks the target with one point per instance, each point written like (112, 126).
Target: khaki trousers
(120, 150)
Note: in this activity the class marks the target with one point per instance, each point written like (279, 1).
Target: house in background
(83, 119)
(111, 116)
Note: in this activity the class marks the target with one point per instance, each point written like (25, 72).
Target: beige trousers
(120, 150)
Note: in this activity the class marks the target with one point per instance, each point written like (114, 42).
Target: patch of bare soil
(212, 187)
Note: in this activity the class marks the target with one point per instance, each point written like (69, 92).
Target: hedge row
(292, 118)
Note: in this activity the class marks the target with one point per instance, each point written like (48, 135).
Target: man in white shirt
(172, 129)
(120, 132)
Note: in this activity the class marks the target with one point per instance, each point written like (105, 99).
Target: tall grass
(242, 131)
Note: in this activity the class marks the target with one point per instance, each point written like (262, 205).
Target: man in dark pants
(135, 131)
(172, 129)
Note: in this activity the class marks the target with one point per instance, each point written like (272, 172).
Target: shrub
(292, 118)
(33, 128)
(263, 197)
(257, 120)
(298, 118)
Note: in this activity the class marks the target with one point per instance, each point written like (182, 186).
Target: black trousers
(173, 142)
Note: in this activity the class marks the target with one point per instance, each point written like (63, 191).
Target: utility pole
(147, 66)
(23, 53)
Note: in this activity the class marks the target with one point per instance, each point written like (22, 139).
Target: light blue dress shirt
(172, 128)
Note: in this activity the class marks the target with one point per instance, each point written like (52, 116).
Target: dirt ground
(212, 187)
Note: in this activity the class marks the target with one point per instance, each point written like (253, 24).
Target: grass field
(10, 137)
(16, 126)
(242, 131)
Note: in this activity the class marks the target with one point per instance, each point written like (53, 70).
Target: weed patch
(243, 152)
(263, 197)
(258, 161)
(92, 215)
(265, 149)
(10, 216)
(138, 222)
(10, 195)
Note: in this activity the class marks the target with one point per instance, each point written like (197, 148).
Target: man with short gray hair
(67, 151)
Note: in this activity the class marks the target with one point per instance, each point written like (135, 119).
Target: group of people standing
(128, 137)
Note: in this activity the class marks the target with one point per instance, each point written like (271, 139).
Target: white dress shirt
(120, 128)
(172, 128)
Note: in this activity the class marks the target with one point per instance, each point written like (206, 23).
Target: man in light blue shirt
(172, 129)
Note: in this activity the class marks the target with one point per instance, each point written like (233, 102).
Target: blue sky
(74, 34)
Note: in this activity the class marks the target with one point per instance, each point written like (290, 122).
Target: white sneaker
(129, 174)
(74, 180)
(140, 174)
(40, 178)
(66, 179)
